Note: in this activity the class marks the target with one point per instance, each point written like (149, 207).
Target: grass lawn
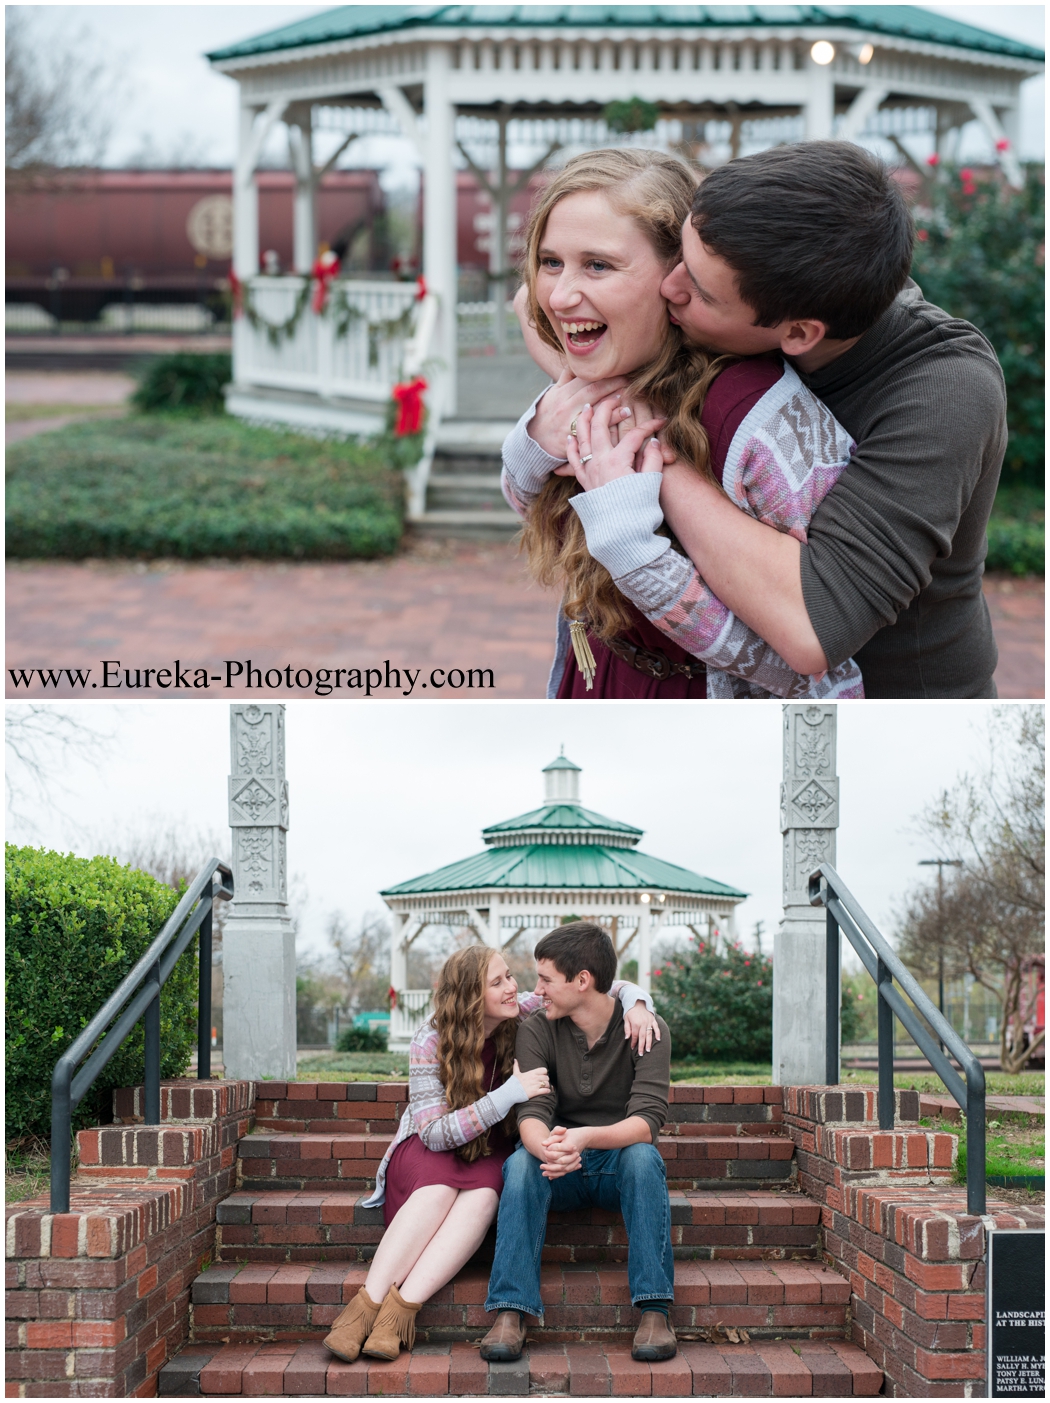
(27, 1169)
(353, 1066)
(197, 485)
(996, 1083)
(719, 1073)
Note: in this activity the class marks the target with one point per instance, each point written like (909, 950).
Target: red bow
(237, 293)
(421, 288)
(323, 271)
(391, 997)
(410, 407)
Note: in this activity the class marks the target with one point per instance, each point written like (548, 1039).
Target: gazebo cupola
(558, 860)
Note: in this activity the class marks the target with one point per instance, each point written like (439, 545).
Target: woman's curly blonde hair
(459, 1017)
(656, 191)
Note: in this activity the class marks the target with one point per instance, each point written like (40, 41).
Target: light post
(940, 863)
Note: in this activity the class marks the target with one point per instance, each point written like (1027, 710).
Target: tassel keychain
(582, 649)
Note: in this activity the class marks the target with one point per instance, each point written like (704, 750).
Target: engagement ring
(572, 428)
(586, 457)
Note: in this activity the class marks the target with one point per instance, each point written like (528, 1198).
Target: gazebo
(560, 860)
(455, 79)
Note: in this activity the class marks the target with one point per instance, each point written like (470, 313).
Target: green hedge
(184, 381)
(718, 1003)
(361, 1040)
(75, 927)
(172, 485)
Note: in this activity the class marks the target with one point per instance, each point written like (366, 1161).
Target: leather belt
(653, 662)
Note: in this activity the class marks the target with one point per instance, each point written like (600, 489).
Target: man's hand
(641, 1027)
(563, 1152)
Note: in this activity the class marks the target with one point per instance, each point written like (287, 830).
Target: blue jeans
(632, 1181)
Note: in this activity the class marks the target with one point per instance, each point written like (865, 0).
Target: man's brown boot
(505, 1341)
(352, 1327)
(654, 1339)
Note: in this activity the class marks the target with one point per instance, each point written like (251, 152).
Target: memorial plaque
(1016, 1315)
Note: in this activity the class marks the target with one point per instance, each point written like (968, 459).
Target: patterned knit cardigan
(428, 1115)
(784, 459)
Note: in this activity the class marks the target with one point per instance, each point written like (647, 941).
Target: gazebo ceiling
(901, 22)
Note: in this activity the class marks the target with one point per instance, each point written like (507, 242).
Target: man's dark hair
(818, 229)
(578, 946)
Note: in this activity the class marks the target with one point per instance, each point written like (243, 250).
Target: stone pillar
(304, 208)
(819, 107)
(258, 940)
(645, 959)
(809, 816)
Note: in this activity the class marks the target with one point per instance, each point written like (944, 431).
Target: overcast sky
(173, 101)
(383, 792)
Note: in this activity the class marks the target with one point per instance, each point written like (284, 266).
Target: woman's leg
(454, 1243)
(413, 1228)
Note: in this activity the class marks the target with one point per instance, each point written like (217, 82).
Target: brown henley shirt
(596, 1086)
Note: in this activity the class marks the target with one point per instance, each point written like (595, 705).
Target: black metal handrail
(138, 996)
(826, 888)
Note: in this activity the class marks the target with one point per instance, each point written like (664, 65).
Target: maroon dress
(729, 400)
(412, 1166)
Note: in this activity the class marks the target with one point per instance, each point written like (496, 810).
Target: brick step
(296, 1226)
(267, 1303)
(376, 1107)
(284, 1161)
(830, 1368)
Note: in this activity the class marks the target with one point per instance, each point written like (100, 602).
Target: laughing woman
(642, 623)
(440, 1181)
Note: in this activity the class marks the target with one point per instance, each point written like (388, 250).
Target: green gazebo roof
(578, 867)
(898, 21)
(565, 816)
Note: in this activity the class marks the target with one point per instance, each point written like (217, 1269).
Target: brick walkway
(438, 605)
(435, 606)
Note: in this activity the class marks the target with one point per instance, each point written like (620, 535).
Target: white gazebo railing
(334, 370)
(353, 350)
(412, 1009)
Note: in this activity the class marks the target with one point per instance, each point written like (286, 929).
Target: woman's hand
(562, 404)
(641, 1027)
(597, 460)
(536, 1082)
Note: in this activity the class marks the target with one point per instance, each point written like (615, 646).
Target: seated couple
(547, 1100)
(811, 520)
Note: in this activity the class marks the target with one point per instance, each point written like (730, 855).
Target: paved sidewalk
(437, 605)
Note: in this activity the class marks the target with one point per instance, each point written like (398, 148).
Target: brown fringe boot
(352, 1327)
(395, 1326)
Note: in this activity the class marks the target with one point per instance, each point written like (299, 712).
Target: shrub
(75, 928)
(979, 255)
(184, 381)
(718, 1003)
(166, 485)
(361, 1040)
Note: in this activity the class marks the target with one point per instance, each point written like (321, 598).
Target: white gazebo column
(304, 214)
(245, 200)
(645, 975)
(819, 106)
(439, 210)
(809, 816)
(259, 939)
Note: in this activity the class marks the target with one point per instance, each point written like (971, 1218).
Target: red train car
(165, 236)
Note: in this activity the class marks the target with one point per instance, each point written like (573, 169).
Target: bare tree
(41, 740)
(362, 958)
(59, 100)
(991, 920)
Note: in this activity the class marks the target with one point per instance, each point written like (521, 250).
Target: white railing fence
(409, 1013)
